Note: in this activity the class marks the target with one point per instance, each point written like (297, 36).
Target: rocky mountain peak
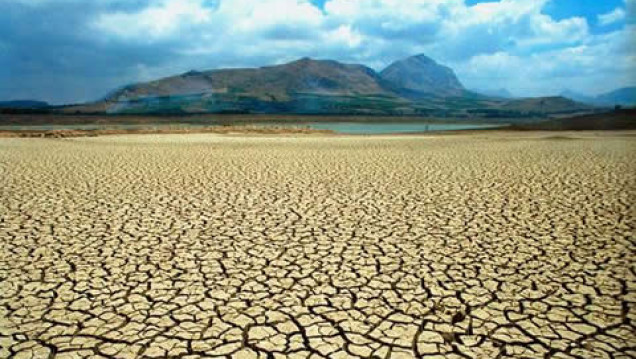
(421, 74)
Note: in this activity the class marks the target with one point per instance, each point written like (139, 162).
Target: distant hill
(615, 120)
(624, 96)
(499, 93)
(413, 86)
(24, 104)
(555, 104)
(577, 96)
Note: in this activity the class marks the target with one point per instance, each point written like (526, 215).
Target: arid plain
(491, 245)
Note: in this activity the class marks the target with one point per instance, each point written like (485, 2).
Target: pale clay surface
(187, 246)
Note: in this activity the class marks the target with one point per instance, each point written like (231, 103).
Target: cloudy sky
(65, 51)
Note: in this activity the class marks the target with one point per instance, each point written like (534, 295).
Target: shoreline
(287, 131)
(69, 133)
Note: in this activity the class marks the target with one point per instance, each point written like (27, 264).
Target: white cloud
(600, 64)
(505, 10)
(511, 23)
(614, 16)
(393, 12)
(344, 34)
(430, 24)
(156, 21)
(254, 15)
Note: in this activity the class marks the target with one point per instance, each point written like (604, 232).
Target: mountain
(24, 104)
(270, 83)
(543, 105)
(302, 86)
(413, 86)
(417, 74)
(420, 75)
(577, 96)
(624, 96)
(500, 93)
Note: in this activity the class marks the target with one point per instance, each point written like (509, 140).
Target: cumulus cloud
(614, 16)
(604, 60)
(508, 43)
(344, 34)
(253, 16)
(448, 28)
(163, 19)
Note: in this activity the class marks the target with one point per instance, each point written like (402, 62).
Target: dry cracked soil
(192, 246)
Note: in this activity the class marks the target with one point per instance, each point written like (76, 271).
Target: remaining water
(360, 128)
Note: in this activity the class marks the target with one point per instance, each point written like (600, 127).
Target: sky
(71, 51)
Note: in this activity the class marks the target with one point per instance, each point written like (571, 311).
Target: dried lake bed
(478, 245)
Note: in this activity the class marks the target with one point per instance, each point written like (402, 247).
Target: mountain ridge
(305, 75)
(417, 85)
(624, 96)
(24, 104)
(421, 74)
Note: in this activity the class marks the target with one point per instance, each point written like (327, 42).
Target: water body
(358, 128)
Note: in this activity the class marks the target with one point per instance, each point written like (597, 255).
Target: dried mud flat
(187, 246)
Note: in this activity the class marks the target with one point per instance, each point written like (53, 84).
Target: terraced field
(186, 246)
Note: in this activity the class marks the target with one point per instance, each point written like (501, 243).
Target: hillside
(616, 120)
(623, 97)
(540, 105)
(270, 83)
(498, 93)
(420, 75)
(23, 104)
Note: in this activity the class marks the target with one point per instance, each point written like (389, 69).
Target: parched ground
(467, 246)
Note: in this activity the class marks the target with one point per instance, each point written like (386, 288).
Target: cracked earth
(188, 246)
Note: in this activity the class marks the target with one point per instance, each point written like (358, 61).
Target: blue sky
(65, 51)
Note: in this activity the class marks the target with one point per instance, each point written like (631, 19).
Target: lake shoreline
(66, 133)
(90, 126)
(300, 132)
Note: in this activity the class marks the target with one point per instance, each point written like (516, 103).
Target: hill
(541, 105)
(616, 120)
(499, 93)
(23, 104)
(270, 83)
(420, 75)
(624, 97)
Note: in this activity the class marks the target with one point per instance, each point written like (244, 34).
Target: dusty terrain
(201, 245)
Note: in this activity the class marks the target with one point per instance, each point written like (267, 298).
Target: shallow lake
(360, 128)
